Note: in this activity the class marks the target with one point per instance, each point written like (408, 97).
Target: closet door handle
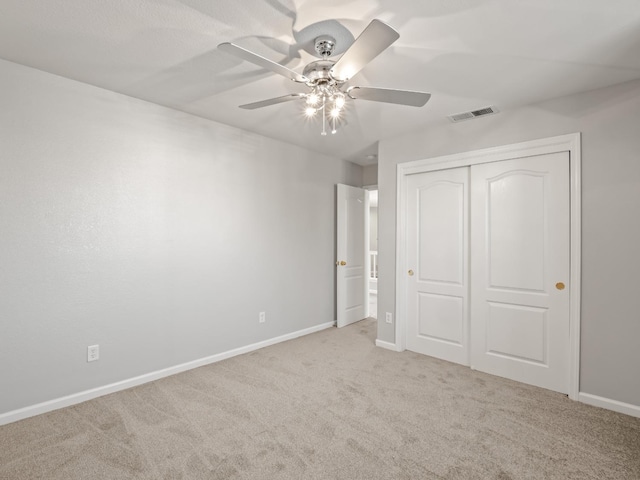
(410, 272)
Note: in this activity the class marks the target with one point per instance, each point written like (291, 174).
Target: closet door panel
(520, 237)
(437, 259)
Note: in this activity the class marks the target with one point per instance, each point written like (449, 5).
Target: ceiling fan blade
(374, 39)
(388, 95)
(273, 101)
(261, 61)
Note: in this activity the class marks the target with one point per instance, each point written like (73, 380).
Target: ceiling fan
(327, 78)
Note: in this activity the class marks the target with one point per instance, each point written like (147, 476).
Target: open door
(352, 264)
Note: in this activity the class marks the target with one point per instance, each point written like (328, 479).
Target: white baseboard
(387, 345)
(616, 406)
(74, 399)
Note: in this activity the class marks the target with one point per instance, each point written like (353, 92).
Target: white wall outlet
(93, 353)
(388, 318)
(262, 317)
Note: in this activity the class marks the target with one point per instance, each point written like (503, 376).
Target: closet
(487, 264)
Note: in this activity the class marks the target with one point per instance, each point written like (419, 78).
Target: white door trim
(563, 143)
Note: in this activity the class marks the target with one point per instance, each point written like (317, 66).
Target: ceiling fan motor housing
(319, 72)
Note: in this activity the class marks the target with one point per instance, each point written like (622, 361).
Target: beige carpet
(326, 406)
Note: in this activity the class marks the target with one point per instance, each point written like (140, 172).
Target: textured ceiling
(467, 53)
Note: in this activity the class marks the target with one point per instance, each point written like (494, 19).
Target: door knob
(410, 272)
(560, 286)
(343, 263)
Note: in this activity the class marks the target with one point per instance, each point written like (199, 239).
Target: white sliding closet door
(437, 246)
(520, 245)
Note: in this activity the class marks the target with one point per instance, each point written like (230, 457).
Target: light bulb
(312, 99)
(339, 101)
(335, 112)
(310, 111)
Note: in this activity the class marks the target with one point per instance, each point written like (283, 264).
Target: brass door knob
(410, 272)
(560, 286)
(343, 263)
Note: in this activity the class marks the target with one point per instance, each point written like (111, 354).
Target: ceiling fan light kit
(326, 78)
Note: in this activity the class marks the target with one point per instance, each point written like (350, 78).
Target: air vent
(458, 117)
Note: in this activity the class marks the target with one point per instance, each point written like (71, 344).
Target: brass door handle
(560, 286)
(343, 263)
(410, 272)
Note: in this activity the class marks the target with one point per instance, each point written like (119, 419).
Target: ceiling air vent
(458, 117)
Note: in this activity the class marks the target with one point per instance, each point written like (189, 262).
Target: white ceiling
(467, 53)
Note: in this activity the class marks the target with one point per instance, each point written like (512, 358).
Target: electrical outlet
(262, 317)
(93, 353)
(389, 317)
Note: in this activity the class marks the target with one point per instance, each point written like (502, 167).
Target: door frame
(564, 143)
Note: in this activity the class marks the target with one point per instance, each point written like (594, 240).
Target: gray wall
(370, 175)
(156, 234)
(609, 120)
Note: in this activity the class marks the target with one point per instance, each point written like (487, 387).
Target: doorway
(373, 252)
(357, 253)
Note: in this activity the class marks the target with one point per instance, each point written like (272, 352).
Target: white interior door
(437, 260)
(520, 246)
(352, 276)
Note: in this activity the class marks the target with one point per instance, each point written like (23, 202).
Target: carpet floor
(326, 406)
